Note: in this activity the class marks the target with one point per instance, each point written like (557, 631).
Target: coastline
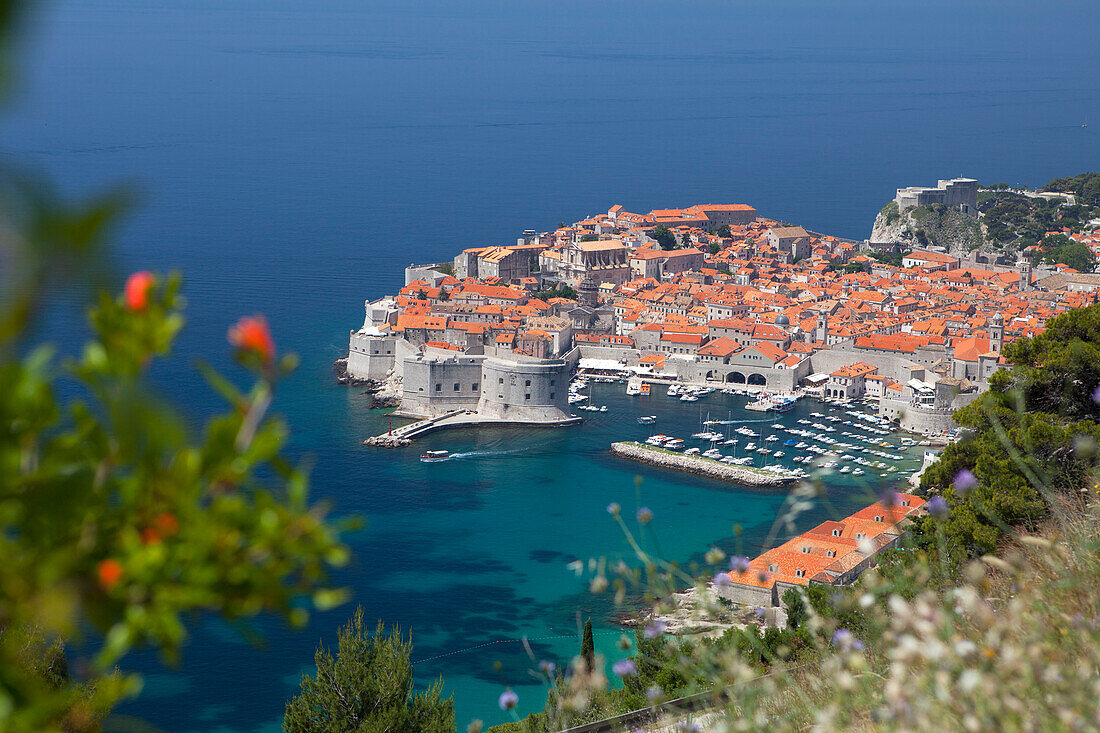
(704, 466)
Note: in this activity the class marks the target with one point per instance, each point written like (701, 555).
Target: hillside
(922, 226)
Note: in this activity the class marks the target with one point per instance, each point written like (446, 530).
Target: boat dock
(775, 403)
(404, 435)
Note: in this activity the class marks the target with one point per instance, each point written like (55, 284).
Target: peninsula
(712, 295)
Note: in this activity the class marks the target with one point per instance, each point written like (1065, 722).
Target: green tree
(447, 268)
(367, 688)
(444, 296)
(724, 232)
(590, 237)
(1058, 248)
(664, 238)
(588, 646)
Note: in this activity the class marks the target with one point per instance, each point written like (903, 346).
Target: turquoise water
(291, 158)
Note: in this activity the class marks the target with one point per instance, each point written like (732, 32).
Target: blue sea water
(292, 157)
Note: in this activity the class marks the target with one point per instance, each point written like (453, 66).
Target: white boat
(434, 456)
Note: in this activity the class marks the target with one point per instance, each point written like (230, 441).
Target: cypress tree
(588, 647)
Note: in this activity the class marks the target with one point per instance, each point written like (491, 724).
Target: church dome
(782, 321)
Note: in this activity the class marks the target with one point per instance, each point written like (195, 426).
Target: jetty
(404, 435)
(745, 475)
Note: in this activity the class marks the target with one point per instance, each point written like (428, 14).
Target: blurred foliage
(115, 516)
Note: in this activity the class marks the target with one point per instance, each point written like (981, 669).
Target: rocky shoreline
(386, 393)
(702, 466)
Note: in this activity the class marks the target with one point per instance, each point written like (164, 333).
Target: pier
(404, 435)
(699, 465)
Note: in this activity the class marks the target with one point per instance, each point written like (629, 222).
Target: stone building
(957, 193)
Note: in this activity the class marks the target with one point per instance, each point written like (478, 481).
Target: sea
(292, 158)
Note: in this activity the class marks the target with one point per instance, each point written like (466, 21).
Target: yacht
(434, 456)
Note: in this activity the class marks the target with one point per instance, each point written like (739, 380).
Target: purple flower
(964, 482)
(846, 641)
(508, 700)
(888, 497)
(655, 628)
(1096, 395)
(547, 668)
(739, 564)
(937, 507)
(653, 693)
(759, 612)
(613, 508)
(645, 516)
(624, 668)
(722, 579)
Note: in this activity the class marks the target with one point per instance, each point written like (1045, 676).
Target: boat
(647, 419)
(434, 456)
(644, 388)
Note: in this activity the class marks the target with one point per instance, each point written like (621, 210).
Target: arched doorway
(757, 380)
(735, 377)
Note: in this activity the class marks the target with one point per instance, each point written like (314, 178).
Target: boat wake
(485, 453)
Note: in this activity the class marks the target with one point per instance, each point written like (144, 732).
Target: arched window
(836, 533)
(859, 535)
(799, 573)
(830, 553)
(773, 568)
(878, 517)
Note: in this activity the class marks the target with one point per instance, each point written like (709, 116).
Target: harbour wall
(702, 466)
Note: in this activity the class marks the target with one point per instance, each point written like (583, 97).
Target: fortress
(957, 193)
(495, 386)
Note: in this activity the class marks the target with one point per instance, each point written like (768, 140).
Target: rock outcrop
(386, 393)
(924, 226)
(700, 465)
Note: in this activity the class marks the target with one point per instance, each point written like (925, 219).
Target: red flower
(167, 523)
(137, 290)
(251, 334)
(150, 536)
(110, 572)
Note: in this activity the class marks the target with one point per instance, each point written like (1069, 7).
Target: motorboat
(647, 419)
(434, 456)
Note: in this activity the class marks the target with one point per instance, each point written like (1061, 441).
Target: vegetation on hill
(1033, 438)
(1085, 186)
(1058, 248)
(561, 290)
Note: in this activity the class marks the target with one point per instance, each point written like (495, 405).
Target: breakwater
(697, 464)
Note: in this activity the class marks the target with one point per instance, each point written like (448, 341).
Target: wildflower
(714, 556)
(937, 507)
(109, 572)
(645, 516)
(547, 668)
(722, 579)
(1096, 395)
(251, 334)
(150, 536)
(613, 508)
(654, 693)
(138, 286)
(739, 564)
(964, 482)
(624, 668)
(759, 612)
(508, 700)
(846, 641)
(888, 497)
(655, 628)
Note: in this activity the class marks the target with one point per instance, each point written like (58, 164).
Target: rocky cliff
(923, 226)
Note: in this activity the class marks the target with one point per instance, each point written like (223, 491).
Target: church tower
(821, 336)
(1025, 274)
(588, 292)
(996, 333)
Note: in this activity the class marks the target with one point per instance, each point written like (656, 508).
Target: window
(878, 517)
(502, 380)
(439, 388)
(551, 382)
(836, 533)
(456, 386)
(527, 383)
(859, 535)
(805, 550)
(830, 553)
(474, 386)
(527, 397)
(551, 395)
(799, 573)
(773, 568)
